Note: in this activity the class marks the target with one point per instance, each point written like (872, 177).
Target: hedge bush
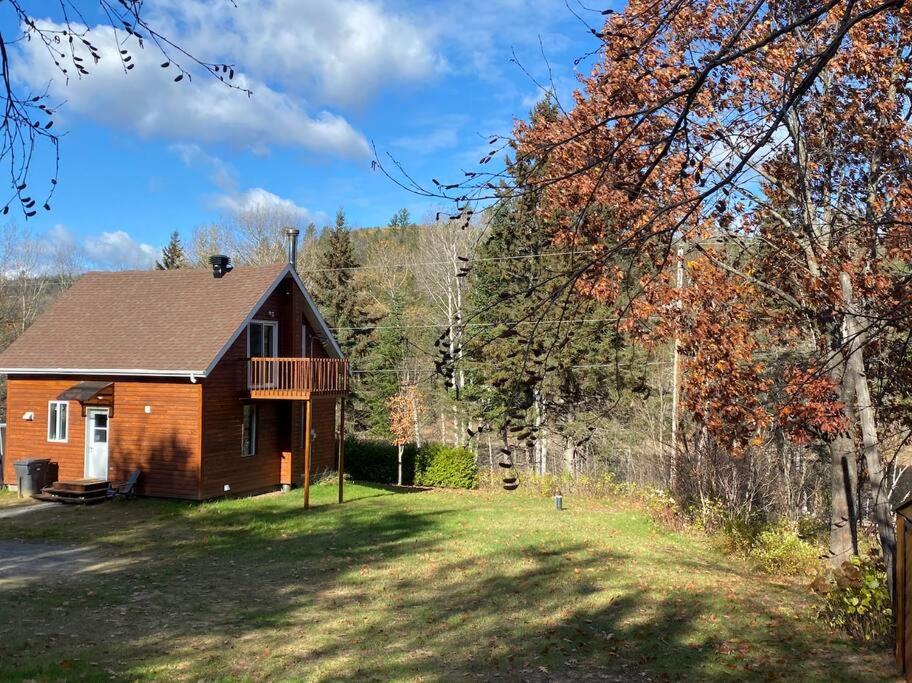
(856, 598)
(779, 550)
(433, 465)
(377, 461)
(446, 466)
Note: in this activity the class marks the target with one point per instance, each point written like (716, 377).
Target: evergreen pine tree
(173, 255)
(334, 287)
(402, 227)
(336, 292)
(524, 368)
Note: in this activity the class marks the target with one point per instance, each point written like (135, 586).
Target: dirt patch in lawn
(23, 563)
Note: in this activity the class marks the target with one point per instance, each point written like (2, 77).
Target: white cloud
(147, 101)
(258, 201)
(222, 174)
(255, 203)
(339, 53)
(61, 250)
(117, 250)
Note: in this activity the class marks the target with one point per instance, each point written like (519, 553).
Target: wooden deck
(296, 378)
(79, 491)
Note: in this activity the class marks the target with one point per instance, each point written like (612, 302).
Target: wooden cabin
(205, 380)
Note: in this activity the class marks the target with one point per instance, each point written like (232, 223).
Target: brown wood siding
(224, 393)
(323, 455)
(163, 443)
(279, 426)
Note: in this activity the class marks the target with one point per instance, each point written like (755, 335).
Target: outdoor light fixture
(28, 416)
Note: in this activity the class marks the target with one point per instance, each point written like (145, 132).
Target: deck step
(80, 486)
(76, 491)
(70, 499)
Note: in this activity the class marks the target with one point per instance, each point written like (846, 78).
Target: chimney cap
(221, 264)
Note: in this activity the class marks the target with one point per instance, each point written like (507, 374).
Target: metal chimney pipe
(291, 239)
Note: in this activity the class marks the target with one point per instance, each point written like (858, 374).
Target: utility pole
(676, 392)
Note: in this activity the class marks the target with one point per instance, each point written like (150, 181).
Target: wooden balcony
(296, 378)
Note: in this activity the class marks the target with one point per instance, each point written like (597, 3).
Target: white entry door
(96, 459)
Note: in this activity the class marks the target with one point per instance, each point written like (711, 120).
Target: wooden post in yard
(341, 448)
(308, 428)
(899, 592)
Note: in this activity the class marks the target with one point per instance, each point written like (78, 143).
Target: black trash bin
(32, 475)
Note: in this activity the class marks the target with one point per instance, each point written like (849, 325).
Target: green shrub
(736, 535)
(775, 547)
(856, 598)
(372, 460)
(446, 466)
(779, 550)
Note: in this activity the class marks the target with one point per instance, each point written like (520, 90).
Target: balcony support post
(308, 429)
(341, 447)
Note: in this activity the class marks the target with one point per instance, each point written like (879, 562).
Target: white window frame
(275, 336)
(253, 436)
(66, 430)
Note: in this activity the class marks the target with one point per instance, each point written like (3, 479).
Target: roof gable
(170, 323)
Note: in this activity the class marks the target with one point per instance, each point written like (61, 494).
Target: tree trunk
(843, 525)
(570, 457)
(415, 422)
(843, 468)
(864, 411)
(541, 449)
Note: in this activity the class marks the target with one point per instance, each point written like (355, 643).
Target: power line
(489, 324)
(574, 367)
(390, 266)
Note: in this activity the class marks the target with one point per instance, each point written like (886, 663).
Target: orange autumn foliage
(403, 408)
(793, 217)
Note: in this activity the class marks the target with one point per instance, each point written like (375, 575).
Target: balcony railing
(296, 378)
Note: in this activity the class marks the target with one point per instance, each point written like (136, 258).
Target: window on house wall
(58, 414)
(249, 431)
(262, 339)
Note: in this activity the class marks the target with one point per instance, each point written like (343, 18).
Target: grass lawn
(405, 586)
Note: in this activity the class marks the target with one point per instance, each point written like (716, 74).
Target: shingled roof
(172, 323)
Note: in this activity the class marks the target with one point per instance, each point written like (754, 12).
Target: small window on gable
(58, 415)
(249, 431)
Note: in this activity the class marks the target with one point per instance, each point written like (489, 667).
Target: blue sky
(427, 82)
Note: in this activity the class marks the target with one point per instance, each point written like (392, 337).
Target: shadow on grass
(390, 586)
